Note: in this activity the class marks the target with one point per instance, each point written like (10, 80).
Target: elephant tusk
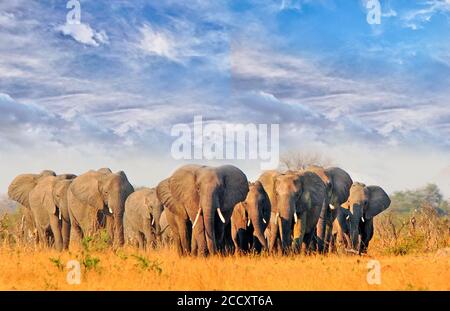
(59, 214)
(220, 215)
(295, 217)
(264, 221)
(153, 221)
(347, 218)
(248, 223)
(362, 218)
(110, 210)
(196, 217)
(276, 218)
(331, 206)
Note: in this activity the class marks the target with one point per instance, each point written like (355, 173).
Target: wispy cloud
(415, 19)
(83, 33)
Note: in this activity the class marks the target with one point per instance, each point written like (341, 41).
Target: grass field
(128, 269)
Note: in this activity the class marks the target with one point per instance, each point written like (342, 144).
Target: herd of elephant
(206, 210)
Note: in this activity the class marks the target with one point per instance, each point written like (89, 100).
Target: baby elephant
(142, 217)
(250, 218)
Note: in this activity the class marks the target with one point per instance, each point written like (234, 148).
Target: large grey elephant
(98, 195)
(142, 217)
(19, 191)
(199, 201)
(250, 219)
(338, 183)
(297, 199)
(356, 220)
(48, 204)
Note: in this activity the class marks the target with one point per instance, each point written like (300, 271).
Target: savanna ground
(412, 247)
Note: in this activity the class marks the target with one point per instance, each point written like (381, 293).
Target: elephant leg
(329, 228)
(140, 239)
(109, 224)
(299, 232)
(235, 238)
(56, 230)
(322, 227)
(65, 232)
(366, 236)
(76, 235)
(149, 234)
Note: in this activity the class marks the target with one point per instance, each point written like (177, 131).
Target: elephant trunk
(116, 206)
(285, 222)
(258, 229)
(209, 209)
(119, 239)
(354, 227)
(321, 227)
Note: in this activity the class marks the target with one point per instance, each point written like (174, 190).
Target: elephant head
(364, 203)
(251, 217)
(105, 193)
(300, 197)
(206, 196)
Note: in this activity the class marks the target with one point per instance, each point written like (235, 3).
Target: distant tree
(296, 160)
(410, 200)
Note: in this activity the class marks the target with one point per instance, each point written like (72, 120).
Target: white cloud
(416, 18)
(159, 43)
(83, 33)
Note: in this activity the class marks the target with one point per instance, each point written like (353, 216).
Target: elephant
(250, 219)
(95, 196)
(356, 218)
(297, 199)
(142, 215)
(19, 191)
(338, 184)
(48, 204)
(166, 233)
(199, 201)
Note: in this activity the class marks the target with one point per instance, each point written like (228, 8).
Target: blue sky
(374, 98)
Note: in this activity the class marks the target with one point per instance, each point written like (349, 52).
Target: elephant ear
(20, 188)
(378, 201)
(341, 183)
(41, 197)
(127, 188)
(264, 202)
(236, 185)
(149, 200)
(60, 190)
(86, 189)
(267, 180)
(313, 190)
(168, 199)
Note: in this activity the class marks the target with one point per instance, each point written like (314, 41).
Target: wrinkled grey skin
(19, 191)
(356, 219)
(250, 219)
(193, 191)
(96, 196)
(166, 233)
(337, 183)
(48, 203)
(142, 217)
(302, 193)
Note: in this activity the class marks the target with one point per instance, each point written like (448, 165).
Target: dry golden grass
(22, 268)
